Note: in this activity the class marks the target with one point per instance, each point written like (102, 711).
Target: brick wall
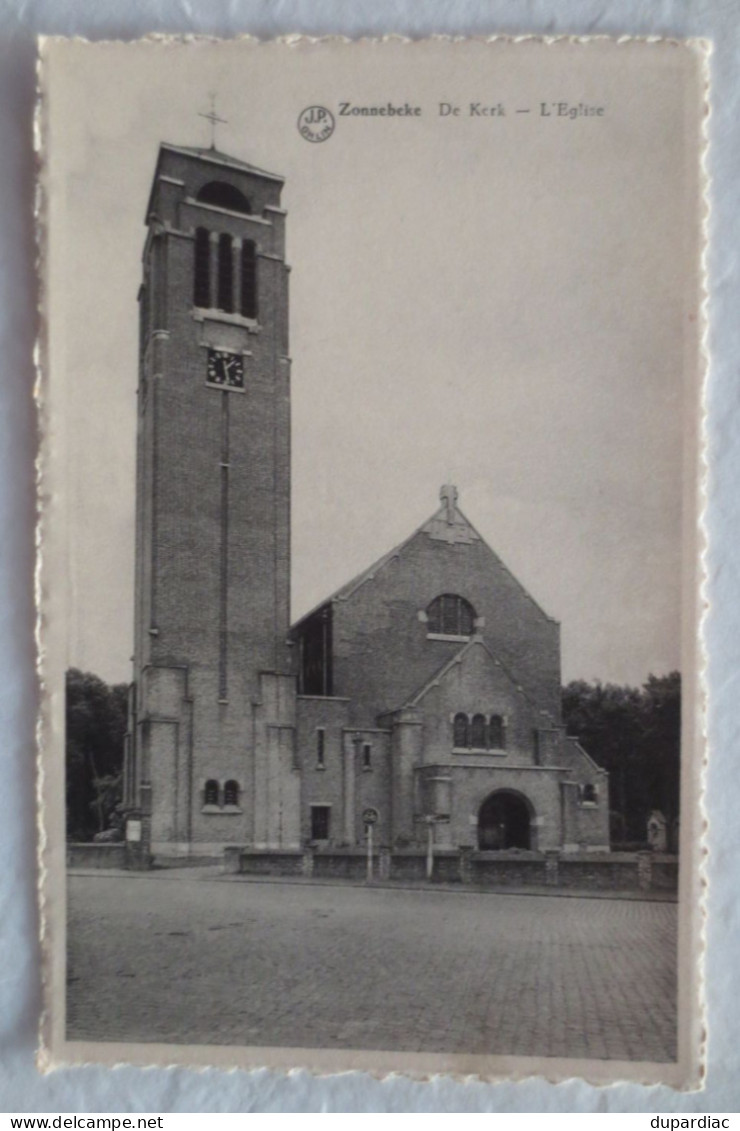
(321, 786)
(629, 872)
(478, 684)
(96, 855)
(343, 772)
(199, 447)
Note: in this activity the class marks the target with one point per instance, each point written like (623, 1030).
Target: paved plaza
(193, 957)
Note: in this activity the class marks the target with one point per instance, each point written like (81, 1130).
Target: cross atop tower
(448, 495)
(213, 118)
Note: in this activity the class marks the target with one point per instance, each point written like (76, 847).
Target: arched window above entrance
(210, 792)
(478, 732)
(460, 732)
(496, 737)
(450, 615)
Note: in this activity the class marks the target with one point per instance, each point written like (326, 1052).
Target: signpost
(369, 818)
(430, 822)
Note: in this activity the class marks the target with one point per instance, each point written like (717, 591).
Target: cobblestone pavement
(197, 960)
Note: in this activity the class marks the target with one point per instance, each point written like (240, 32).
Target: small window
(496, 738)
(249, 280)
(320, 748)
(460, 732)
(366, 756)
(225, 274)
(223, 195)
(210, 793)
(320, 822)
(478, 732)
(231, 793)
(450, 615)
(588, 794)
(202, 269)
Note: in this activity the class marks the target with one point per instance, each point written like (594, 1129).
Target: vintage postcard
(370, 397)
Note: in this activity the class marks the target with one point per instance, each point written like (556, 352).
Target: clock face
(225, 369)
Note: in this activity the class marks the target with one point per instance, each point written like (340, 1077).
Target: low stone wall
(264, 862)
(96, 855)
(624, 871)
(344, 864)
(610, 872)
(411, 864)
(665, 872)
(495, 869)
(186, 861)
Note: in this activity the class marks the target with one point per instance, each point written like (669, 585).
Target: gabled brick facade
(385, 660)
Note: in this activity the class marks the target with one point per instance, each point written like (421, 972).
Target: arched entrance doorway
(504, 821)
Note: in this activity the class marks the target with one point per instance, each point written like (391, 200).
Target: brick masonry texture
(174, 958)
(215, 682)
(383, 654)
(626, 871)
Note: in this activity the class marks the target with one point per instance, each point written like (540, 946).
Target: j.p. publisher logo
(316, 123)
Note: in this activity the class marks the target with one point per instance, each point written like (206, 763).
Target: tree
(635, 734)
(96, 725)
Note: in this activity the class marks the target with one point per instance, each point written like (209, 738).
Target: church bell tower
(210, 757)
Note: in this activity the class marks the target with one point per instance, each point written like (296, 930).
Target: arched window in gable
(249, 279)
(450, 615)
(210, 793)
(202, 269)
(478, 732)
(222, 195)
(460, 731)
(496, 734)
(225, 274)
(231, 793)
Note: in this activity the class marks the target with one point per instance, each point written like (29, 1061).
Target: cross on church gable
(448, 495)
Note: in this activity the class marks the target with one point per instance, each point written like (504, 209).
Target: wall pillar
(276, 777)
(352, 742)
(644, 871)
(406, 754)
(552, 867)
(465, 864)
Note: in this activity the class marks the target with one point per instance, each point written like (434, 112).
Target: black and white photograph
(371, 399)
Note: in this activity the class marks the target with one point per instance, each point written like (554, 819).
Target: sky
(500, 301)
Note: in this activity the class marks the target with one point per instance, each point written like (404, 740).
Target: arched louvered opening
(222, 195)
(225, 274)
(202, 269)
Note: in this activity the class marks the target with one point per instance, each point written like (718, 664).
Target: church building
(425, 690)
